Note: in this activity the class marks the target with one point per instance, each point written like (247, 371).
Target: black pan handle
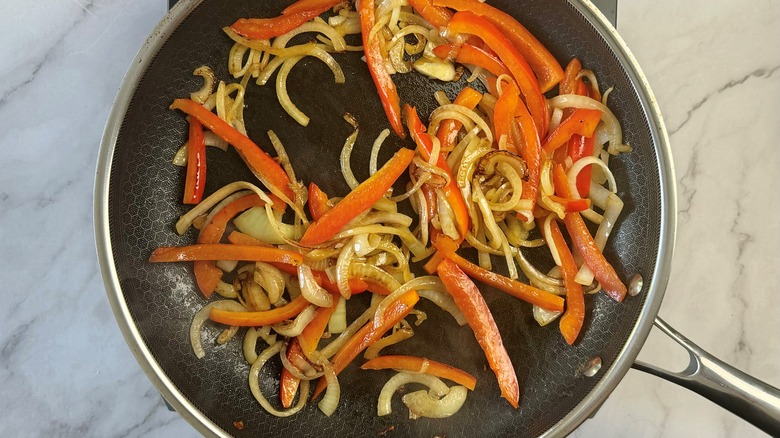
(753, 400)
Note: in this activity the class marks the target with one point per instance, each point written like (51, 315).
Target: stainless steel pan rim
(203, 424)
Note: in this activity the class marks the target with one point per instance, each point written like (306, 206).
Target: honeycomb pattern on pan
(144, 205)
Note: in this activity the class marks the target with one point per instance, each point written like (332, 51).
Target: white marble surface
(64, 367)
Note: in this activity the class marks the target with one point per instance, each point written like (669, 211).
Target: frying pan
(137, 201)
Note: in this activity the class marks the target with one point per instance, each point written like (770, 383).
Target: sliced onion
(227, 265)
(291, 328)
(209, 79)
(436, 388)
(338, 319)
(226, 290)
(343, 261)
(372, 162)
(421, 404)
(544, 316)
(577, 168)
(337, 41)
(254, 384)
(346, 153)
(255, 223)
(445, 302)
(200, 318)
(468, 117)
(186, 219)
(313, 292)
(403, 333)
(263, 46)
(426, 281)
(330, 400)
(272, 280)
(550, 244)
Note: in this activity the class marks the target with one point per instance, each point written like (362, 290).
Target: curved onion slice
(313, 292)
(421, 404)
(403, 333)
(209, 79)
(436, 388)
(202, 316)
(544, 316)
(254, 384)
(330, 400)
(426, 281)
(445, 301)
(186, 219)
(291, 328)
(610, 121)
(336, 39)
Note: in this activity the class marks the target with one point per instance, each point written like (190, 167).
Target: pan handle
(753, 400)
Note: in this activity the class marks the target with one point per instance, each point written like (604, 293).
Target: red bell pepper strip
(451, 191)
(292, 17)
(257, 319)
(543, 63)
(207, 275)
(288, 383)
(469, 23)
(572, 320)
(268, 171)
(318, 202)
(504, 116)
(448, 130)
(469, 54)
(583, 122)
(376, 65)
(531, 151)
(570, 83)
(435, 15)
(571, 205)
(300, 348)
(310, 5)
(358, 200)
(583, 241)
(221, 251)
(527, 293)
(369, 334)
(195, 183)
(422, 365)
(580, 147)
(470, 301)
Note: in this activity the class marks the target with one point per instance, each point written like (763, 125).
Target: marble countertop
(65, 369)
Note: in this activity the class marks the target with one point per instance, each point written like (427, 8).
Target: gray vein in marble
(47, 56)
(688, 185)
(742, 348)
(763, 73)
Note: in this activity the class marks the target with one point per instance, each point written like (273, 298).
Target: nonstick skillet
(137, 201)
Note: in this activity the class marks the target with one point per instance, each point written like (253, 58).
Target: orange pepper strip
(422, 365)
(470, 54)
(583, 122)
(376, 66)
(222, 251)
(435, 15)
(257, 319)
(527, 293)
(195, 183)
(369, 334)
(572, 320)
(580, 146)
(268, 171)
(310, 5)
(581, 238)
(469, 23)
(571, 205)
(358, 200)
(207, 275)
(543, 63)
(470, 301)
(451, 191)
(504, 116)
(318, 202)
(531, 151)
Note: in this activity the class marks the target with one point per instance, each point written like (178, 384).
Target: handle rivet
(635, 285)
(591, 367)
